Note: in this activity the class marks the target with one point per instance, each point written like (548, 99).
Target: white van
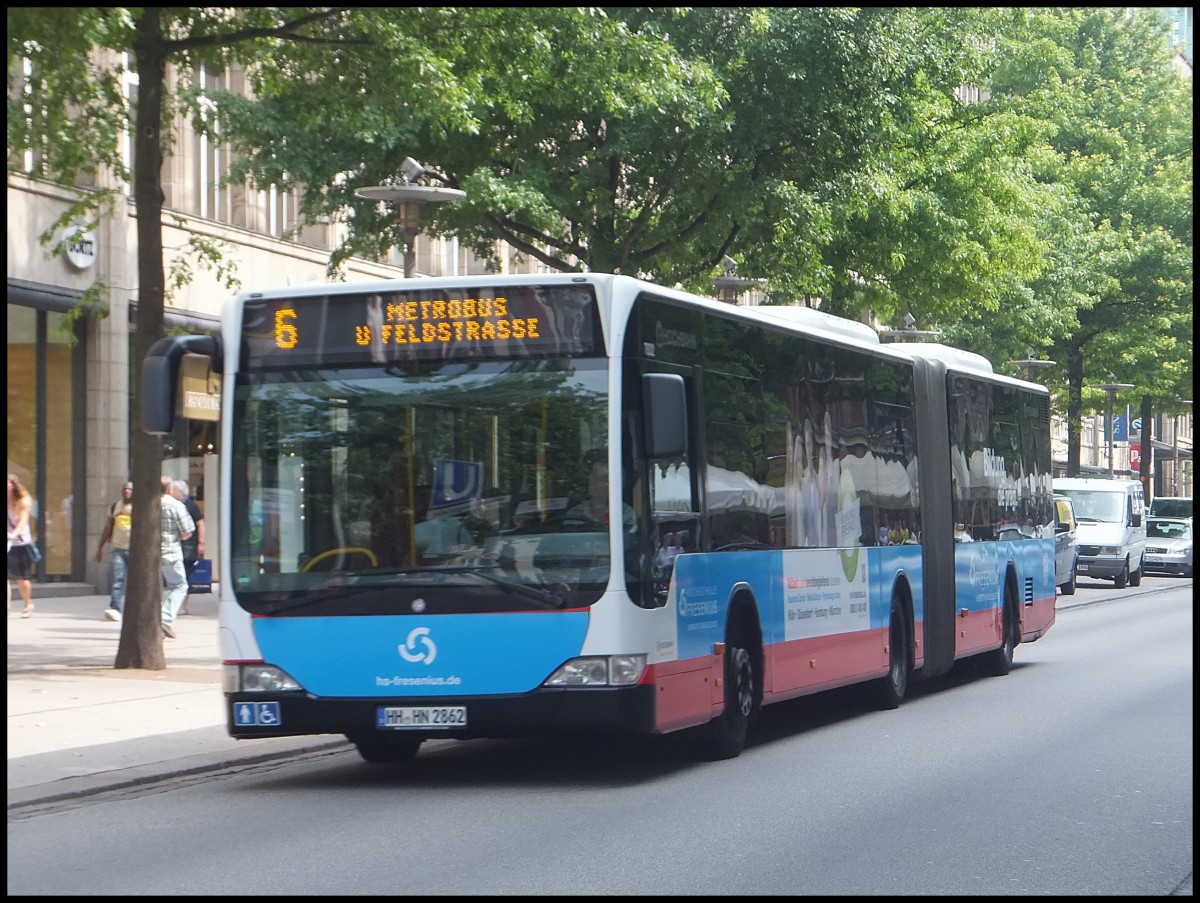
(1112, 527)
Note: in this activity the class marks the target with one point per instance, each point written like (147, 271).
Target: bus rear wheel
(998, 662)
(384, 750)
(892, 687)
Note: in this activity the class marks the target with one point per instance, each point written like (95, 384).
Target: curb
(23, 799)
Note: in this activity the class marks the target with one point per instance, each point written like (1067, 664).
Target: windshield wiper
(545, 597)
(271, 608)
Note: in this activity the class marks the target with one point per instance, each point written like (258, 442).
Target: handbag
(35, 554)
(200, 579)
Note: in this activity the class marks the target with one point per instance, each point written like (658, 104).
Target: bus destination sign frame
(412, 325)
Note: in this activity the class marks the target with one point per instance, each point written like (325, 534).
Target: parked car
(1066, 547)
(1171, 506)
(1169, 546)
(1112, 528)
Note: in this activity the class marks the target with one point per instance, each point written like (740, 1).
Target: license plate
(425, 718)
(1082, 568)
(1153, 559)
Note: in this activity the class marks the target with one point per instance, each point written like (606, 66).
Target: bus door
(674, 512)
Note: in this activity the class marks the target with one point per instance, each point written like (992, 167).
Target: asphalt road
(1071, 775)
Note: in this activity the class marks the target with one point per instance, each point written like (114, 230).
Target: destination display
(498, 323)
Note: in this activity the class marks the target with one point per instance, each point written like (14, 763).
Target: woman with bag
(22, 554)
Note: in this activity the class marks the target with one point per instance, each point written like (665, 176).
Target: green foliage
(826, 150)
(1118, 150)
(72, 112)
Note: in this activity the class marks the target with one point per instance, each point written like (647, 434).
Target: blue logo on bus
(256, 714)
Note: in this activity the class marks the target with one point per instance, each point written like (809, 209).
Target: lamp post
(410, 199)
(1111, 389)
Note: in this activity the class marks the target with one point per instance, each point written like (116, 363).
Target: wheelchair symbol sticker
(256, 714)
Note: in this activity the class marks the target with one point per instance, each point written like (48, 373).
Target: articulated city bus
(522, 505)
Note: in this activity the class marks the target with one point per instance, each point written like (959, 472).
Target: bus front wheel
(1122, 579)
(725, 736)
(384, 750)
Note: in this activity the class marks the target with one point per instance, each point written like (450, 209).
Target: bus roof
(819, 324)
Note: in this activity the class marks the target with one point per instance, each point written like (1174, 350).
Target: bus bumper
(543, 712)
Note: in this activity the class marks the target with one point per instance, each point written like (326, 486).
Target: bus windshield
(438, 487)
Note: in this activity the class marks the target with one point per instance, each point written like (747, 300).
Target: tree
(73, 112)
(1118, 147)
(823, 148)
(677, 138)
(531, 116)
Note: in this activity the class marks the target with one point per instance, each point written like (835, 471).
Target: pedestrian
(193, 548)
(20, 544)
(177, 525)
(117, 527)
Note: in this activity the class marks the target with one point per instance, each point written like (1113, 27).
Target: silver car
(1168, 546)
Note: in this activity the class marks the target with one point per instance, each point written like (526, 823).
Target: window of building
(44, 429)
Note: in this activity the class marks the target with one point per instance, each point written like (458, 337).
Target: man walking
(177, 525)
(117, 528)
(193, 548)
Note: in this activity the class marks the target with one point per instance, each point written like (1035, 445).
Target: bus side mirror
(160, 377)
(664, 411)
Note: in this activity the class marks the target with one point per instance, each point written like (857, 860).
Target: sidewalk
(76, 724)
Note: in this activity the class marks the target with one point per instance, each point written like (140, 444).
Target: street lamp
(1029, 365)
(730, 285)
(1111, 389)
(409, 199)
(908, 332)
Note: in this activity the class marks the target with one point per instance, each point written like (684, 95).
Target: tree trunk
(141, 644)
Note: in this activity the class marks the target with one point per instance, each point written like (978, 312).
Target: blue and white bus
(415, 476)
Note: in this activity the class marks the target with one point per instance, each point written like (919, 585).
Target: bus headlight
(625, 670)
(599, 671)
(258, 679)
